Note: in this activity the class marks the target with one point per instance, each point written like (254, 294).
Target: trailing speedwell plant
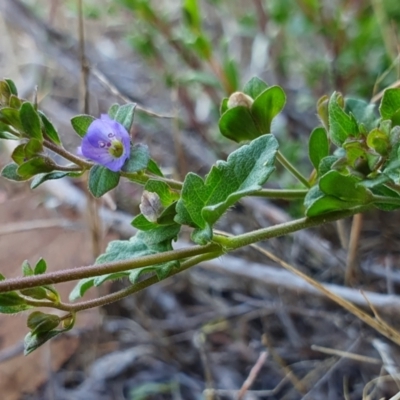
(354, 153)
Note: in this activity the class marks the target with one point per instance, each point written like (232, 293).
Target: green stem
(233, 243)
(289, 194)
(67, 155)
(292, 169)
(9, 285)
(386, 200)
(142, 178)
(112, 297)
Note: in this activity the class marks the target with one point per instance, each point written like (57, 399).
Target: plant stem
(233, 243)
(142, 178)
(106, 268)
(386, 200)
(67, 155)
(112, 297)
(292, 169)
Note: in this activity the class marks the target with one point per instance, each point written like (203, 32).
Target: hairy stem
(292, 169)
(106, 268)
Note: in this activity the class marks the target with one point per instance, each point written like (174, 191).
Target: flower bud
(151, 206)
(239, 99)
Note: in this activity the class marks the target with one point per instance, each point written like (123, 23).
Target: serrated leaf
(10, 172)
(102, 180)
(30, 121)
(341, 125)
(138, 160)
(254, 87)
(34, 166)
(33, 341)
(162, 271)
(81, 123)
(318, 146)
(143, 243)
(346, 188)
(12, 303)
(237, 124)
(245, 170)
(125, 115)
(41, 178)
(267, 106)
(49, 129)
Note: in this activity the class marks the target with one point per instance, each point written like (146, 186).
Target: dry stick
(346, 354)
(92, 203)
(253, 374)
(17, 227)
(351, 262)
(379, 325)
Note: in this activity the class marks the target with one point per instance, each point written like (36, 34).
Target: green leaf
(346, 188)
(254, 87)
(125, 115)
(138, 160)
(32, 148)
(224, 106)
(141, 223)
(10, 116)
(15, 102)
(363, 112)
(40, 322)
(102, 180)
(37, 293)
(81, 123)
(318, 146)
(237, 124)
(231, 73)
(166, 194)
(112, 111)
(154, 241)
(379, 141)
(35, 165)
(40, 178)
(383, 190)
(267, 106)
(40, 267)
(12, 303)
(341, 125)
(13, 88)
(31, 121)
(390, 103)
(49, 129)
(317, 203)
(153, 167)
(10, 172)
(7, 132)
(26, 269)
(5, 93)
(34, 340)
(18, 155)
(203, 202)
(191, 14)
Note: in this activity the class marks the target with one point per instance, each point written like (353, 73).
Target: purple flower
(107, 143)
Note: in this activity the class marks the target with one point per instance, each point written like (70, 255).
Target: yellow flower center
(116, 149)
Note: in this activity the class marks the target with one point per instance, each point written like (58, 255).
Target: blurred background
(199, 335)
